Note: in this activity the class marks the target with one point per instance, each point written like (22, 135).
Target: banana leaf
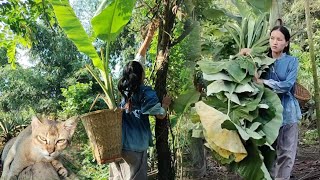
(71, 25)
(108, 24)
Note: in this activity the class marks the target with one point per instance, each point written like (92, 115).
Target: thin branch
(188, 27)
(46, 16)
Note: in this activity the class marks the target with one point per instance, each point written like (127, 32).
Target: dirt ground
(307, 166)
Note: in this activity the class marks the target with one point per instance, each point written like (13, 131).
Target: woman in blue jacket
(139, 101)
(281, 78)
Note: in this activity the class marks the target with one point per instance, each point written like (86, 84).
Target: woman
(139, 101)
(281, 78)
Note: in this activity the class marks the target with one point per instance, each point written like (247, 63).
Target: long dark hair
(131, 80)
(286, 34)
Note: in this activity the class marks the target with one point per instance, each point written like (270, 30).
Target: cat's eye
(42, 139)
(61, 141)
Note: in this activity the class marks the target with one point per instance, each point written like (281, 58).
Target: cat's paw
(12, 178)
(63, 172)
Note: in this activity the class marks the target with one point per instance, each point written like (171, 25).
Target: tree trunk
(275, 12)
(165, 166)
(314, 66)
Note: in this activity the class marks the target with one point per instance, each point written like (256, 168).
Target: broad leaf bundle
(236, 104)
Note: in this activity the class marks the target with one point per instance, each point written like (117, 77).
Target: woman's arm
(287, 84)
(151, 105)
(141, 55)
(166, 101)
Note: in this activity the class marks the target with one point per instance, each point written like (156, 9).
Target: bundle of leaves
(241, 118)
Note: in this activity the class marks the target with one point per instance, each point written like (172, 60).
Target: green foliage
(78, 99)
(310, 137)
(85, 165)
(305, 73)
(182, 103)
(23, 88)
(254, 111)
(19, 20)
(11, 124)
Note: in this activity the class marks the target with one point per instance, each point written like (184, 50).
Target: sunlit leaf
(223, 141)
(71, 25)
(108, 24)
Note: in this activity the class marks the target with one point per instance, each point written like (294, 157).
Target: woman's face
(277, 41)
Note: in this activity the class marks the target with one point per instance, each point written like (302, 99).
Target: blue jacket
(281, 78)
(136, 133)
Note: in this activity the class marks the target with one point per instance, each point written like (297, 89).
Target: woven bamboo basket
(104, 129)
(302, 94)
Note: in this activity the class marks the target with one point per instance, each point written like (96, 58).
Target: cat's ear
(71, 124)
(35, 123)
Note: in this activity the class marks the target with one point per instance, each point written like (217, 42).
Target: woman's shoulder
(147, 89)
(290, 57)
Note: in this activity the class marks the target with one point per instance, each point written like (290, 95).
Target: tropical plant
(251, 33)
(110, 19)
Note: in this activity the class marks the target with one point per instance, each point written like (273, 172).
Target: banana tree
(109, 21)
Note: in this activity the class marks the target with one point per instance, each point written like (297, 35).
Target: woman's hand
(166, 101)
(245, 51)
(257, 79)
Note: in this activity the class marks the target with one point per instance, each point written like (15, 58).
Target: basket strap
(94, 102)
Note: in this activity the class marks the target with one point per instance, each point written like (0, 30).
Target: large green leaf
(235, 70)
(218, 104)
(108, 24)
(213, 14)
(184, 100)
(233, 97)
(244, 88)
(260, 5)
(247, 64)
(220, 85)
(217, 76)
(271, 129)
(71, 25)
(232, 67)
(252, 104)
(212, 67)
(252, 167)
(242, 7)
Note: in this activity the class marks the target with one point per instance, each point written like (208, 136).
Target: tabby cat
(42, 141)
